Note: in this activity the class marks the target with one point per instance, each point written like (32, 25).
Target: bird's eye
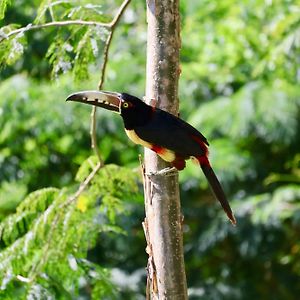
(125, 105)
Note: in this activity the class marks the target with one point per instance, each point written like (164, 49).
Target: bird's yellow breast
(165, 154)
(135, 138)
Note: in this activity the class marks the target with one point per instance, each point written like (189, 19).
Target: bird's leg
(169, 171)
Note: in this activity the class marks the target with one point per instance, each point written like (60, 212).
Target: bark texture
(163, 223)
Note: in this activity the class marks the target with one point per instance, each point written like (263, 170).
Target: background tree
(239, 86)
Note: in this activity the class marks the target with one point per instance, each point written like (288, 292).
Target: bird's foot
(169, 171)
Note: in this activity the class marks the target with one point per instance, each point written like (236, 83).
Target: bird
(170, 137)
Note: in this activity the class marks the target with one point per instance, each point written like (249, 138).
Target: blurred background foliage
(239, 85)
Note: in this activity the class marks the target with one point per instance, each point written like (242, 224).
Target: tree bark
(163, 223)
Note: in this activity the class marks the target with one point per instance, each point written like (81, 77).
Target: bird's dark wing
(172, 133)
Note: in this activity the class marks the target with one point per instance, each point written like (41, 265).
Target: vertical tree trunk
(163, 223)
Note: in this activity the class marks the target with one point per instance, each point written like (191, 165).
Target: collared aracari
(170, 137)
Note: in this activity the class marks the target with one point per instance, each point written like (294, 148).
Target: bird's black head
(134, 111)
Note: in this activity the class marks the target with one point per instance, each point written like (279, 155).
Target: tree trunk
(163, 223)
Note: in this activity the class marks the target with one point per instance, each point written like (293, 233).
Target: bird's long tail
(217, 189)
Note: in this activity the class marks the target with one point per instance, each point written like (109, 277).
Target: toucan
(173, 139)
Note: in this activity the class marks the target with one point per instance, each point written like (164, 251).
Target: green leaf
(11, 49)
(86, 168)
(3, 7)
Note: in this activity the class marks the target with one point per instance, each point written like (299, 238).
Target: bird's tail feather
(218, 190)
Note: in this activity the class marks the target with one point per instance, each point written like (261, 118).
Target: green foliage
(265, 242)
(87, 50)
(239, 86)
(228, 44)
(71, 48)
(11, 49)
(77, 52)
(11, 193)
(36, 132)
(243, 119)
(3, 6)
(76, 10)
(43, 139)
(44, 244)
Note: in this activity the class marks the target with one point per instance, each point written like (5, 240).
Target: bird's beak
(108, 100)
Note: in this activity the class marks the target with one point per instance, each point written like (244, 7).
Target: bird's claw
(169, 171)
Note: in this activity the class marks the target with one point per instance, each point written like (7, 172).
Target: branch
(117, 17)
(113, 24)
(83, 185)
(94, 109)
(51, 10)
(30, 27)
(36, 267)
(109, 25)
